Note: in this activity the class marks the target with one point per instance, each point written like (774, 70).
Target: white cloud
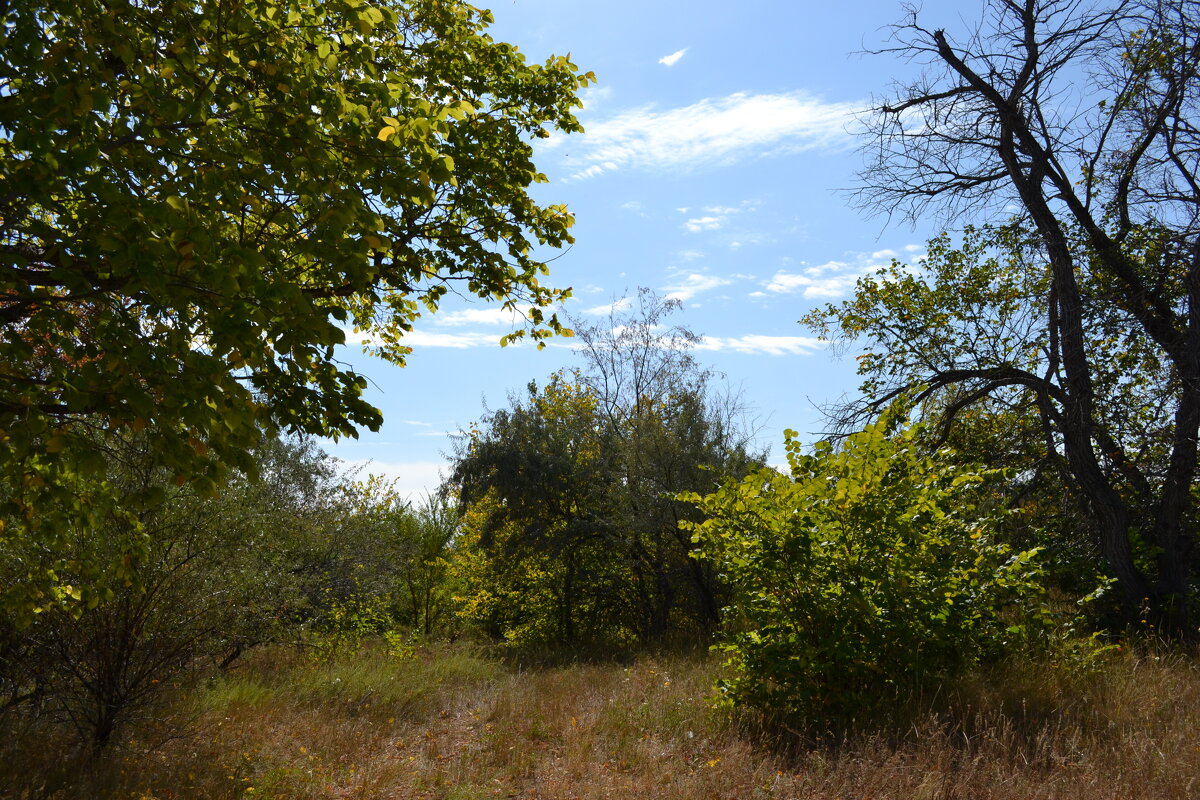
(610, 308)
(691, 255)
(413, 478)
(716, 216)
(457, 341)
(590, 172)
(832, 279)
(464, 341)
(594, 96)
(763, 345)
(672, 59)
(824, 288)
(693, 284)
(697, 224)
(359, 337)
(713, 131)
(478, 316)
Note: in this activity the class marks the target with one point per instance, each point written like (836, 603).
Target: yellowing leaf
(385, 133)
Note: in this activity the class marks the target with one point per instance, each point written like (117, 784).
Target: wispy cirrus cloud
(615, 307)
(763, 345)
(411, 478)
(711, 132)
(688, 286)
(462, 341)
(716, 217)
(673, 59)
(697, 224)
(833, 279)
(830, 280)
(478, 316)
(420, 338)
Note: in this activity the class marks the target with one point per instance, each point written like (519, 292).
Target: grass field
(452, 723)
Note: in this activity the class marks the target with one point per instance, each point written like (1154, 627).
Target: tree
(674, 431)
(199, 199)
(216, 577)
(1084, 118)
(423, 592)
(535, 485)
(962, 318)
(304, 555)
(578, 484)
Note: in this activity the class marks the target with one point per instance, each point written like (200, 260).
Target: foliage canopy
(199, 199)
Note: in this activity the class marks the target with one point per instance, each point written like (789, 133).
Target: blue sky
(718, 136)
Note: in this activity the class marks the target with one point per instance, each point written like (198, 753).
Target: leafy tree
(1082, 116)
(672, 431)
(511, 590)
(303, 555)
(967, 321)
(871, 571)
(423, 577)
(375, 566)
(213, 580)
(535, 485)
(577, 485)
(199, 199)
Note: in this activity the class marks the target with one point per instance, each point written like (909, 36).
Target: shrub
(872, 570)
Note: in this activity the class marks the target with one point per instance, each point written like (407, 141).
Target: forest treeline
(620, 507)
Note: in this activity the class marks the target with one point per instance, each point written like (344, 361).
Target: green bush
(870, 572)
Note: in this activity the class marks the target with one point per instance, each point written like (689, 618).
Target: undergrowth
(452, 723)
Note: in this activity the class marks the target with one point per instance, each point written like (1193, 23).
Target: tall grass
(454, 724)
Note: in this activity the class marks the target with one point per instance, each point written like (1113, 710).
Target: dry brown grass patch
(454, 725)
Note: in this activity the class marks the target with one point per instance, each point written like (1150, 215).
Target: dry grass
(454, 725)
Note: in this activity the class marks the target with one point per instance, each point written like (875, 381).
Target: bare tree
(1083, 117)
